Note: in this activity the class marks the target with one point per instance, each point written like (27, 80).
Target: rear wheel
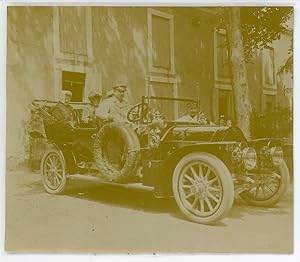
(53, 170)
(268, 189)
(203, 188)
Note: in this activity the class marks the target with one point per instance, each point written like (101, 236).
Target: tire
(121, 138)
(210, 199)
(269, 194)
(53, 171)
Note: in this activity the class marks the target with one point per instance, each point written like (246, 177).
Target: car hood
(207, 133)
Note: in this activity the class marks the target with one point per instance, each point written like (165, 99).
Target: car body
(203, 166)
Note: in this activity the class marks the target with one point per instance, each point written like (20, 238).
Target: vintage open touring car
(204, 166)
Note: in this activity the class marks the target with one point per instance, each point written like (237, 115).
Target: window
(221, 56)
(225, 104)
(269, 104)
(74, 82)
(160, 41)
(164, 90)
(268, 68)
(72, 30)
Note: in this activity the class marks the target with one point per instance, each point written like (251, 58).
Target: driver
(115, 107)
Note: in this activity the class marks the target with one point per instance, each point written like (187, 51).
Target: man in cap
(115, 107)
(193, 116)
(88, 115)
(64, 114)
(63, 111)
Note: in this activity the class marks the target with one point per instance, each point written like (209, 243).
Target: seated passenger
(65, 117)
(88, 115)
(63, 111)
(193, 115)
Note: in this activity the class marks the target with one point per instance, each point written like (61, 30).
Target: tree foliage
(262, 25)
(249, 29)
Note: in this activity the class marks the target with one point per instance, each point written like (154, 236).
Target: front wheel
(267, 189)
(53, 170)
(203, 188)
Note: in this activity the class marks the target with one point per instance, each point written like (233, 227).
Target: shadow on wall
(123, 52)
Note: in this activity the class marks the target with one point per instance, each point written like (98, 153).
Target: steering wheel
(137, 113)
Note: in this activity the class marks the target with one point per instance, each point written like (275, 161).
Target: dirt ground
(95, 219)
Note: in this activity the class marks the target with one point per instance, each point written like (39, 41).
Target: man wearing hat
(115, 107)
(193, 116)
(63, 111)
(65, 117)
(89, 115)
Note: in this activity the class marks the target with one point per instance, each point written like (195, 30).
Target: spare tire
(116, 152)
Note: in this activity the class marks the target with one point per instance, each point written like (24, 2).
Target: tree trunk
(242, 104)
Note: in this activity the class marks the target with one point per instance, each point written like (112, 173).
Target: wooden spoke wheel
(203, 188)
(53, 170)
(267, 189)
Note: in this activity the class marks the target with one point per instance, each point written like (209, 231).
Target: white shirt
(188, 118)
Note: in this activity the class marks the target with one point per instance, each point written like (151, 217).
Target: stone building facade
(163, 51)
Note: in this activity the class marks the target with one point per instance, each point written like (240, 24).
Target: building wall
(255, 81)
(120, 48)
(284, 79)
(108, 45)
(194, 53)
(29, 69)
(121, 52)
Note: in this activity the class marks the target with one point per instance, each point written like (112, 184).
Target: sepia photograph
(149, 129)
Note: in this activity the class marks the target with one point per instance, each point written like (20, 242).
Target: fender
(265, 141)
(215, 148)
(162, 171)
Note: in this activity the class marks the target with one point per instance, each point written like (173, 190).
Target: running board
(99, 180)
